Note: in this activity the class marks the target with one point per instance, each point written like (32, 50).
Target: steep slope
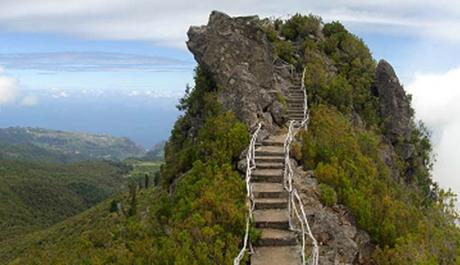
(100, 231)
(34, 144)
(368, 195)
(36, 195)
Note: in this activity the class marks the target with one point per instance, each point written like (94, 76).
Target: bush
(328, 195)
(408, 230)
(284, 50)
(356, 71)
(299, 26)
(332, 28)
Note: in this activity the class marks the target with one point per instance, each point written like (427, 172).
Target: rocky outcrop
(239, 57)
(398, 123)
(394, 104)
(341, 241)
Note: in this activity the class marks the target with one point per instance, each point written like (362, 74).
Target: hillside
(34, 196)
(99, 231)
(32, 144)
(360, 165)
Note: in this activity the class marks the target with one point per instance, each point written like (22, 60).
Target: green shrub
(332, 28)
(328, 195)
(356, 71)
(408, 230)
(284, 50)
(299, 26)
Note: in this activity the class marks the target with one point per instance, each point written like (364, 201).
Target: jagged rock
(239, 57)
(394, 104)
(277, 113)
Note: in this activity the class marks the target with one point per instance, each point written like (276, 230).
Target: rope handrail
(294, 127)
(251, 165)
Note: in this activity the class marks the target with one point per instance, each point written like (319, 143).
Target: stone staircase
(277, 245)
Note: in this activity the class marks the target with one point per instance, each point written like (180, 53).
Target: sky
(70, 64)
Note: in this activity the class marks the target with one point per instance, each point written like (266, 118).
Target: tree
(132, 194)
(146, 181)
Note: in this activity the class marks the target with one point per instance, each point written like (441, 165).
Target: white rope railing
(295, 202)
(305, 99)
(251, 165)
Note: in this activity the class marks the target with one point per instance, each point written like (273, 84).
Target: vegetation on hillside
(36, 195)
(412, 221)
(397, 216)
(35, 144)
(195, 216)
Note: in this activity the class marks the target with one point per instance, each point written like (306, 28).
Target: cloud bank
(166, 22)
(91, 62)
(8, 88)
(30, 101)
(436, 98)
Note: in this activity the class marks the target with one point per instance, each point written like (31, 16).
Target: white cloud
(8, 88)
(134, 93)
(166, 22)
(30, 101)
(91, 62)
(436, 99)
(61, 94)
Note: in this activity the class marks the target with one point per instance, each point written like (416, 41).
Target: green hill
(36, 144)
(34, 195)
(96, 232)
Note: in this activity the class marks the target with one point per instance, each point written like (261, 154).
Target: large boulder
(394, 104)
(239, 57)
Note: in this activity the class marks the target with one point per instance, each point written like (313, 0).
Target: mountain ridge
(72, 146)
(369, 197)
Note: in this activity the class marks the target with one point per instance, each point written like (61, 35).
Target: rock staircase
(277, 244)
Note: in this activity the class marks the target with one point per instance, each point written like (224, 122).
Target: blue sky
(52, 61)
(72, 64)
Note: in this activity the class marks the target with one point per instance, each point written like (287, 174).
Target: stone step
(272, 143)
(296, 105)
(299, 100)
(269, 190)
(272, 218)
(270, 151)
(269, 159)
(276, 255)
(267, 175)
(270, 165)
(271, 203)
(295, 111)
(276, 237)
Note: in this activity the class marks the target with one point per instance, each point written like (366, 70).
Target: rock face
(398, 121)
(394, 104)
(341, 242)
(237, 54)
